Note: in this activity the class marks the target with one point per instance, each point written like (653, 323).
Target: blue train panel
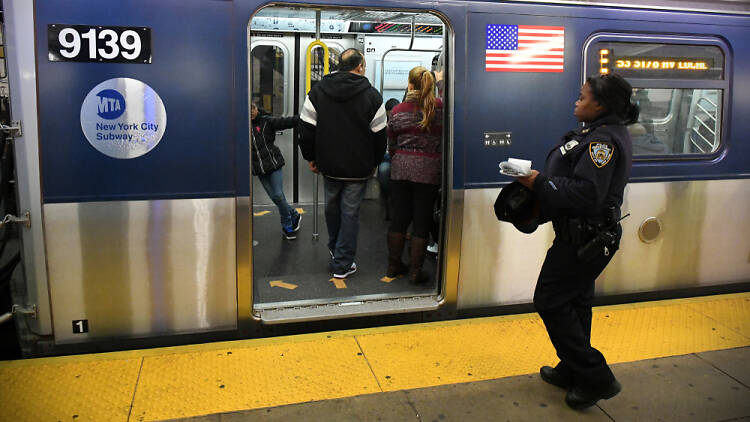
(198, 67)
(537, 107)
(191, 70)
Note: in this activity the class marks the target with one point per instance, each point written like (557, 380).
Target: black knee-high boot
(417, 246)
(395, 249)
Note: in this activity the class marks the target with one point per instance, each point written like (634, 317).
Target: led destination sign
(661, 63)
(699, 62)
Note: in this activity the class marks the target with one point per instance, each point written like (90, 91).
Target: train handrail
(308, 58)
(308, 86)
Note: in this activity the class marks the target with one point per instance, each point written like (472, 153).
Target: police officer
(581, 191)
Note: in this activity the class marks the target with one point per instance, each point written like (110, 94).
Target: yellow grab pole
(308, 57)
(308, 83)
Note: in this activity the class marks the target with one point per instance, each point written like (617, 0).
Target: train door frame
(443, 301)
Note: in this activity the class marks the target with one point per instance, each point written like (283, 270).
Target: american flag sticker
(524, 48)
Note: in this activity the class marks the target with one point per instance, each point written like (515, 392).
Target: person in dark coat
(581, 190)
(343, 137)
(267, 164)
(384, 168)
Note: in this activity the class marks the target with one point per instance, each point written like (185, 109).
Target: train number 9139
(85, 43)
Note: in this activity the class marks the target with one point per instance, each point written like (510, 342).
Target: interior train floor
(299, 270)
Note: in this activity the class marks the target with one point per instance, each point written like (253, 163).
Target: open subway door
(292, 279)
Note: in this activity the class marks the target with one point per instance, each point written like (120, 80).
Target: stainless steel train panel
(704, 240)
(19, 17)
(140, 268)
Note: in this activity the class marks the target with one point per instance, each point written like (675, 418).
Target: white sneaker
(352, 270)
(432, 248)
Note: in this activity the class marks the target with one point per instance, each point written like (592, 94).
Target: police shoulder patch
(601, 153)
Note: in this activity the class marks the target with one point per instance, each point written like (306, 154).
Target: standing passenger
(581, 191)
(384, 169)
(267, 164)
(343, 137)
(415, 141)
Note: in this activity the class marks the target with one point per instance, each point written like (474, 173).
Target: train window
(317, 66)
(268, 78)
(678, 86)
(677, 121)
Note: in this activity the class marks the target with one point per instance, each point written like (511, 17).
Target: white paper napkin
(515, 167)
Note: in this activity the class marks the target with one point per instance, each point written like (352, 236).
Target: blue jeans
(273, 183)
(384, 175)
(342, 201)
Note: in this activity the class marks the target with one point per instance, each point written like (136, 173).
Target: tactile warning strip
(182, 385)
(90, 391)
(223, 377)
(731, 313)
(431, 355)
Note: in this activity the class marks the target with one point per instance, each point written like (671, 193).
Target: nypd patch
(601, 153)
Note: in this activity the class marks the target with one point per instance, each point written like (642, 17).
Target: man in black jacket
(343, 137)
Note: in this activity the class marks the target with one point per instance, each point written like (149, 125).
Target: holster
(606, 237)
(592, 235)
(574, 230)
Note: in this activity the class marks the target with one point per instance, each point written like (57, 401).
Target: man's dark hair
(350, 59)
(391, 103)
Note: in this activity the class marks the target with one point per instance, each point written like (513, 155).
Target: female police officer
(580, 191)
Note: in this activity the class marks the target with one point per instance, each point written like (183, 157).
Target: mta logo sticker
(111, 104)
(601, 153)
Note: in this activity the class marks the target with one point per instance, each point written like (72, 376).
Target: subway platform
(678, 360)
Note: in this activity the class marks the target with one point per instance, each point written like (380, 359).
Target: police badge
(601, 153)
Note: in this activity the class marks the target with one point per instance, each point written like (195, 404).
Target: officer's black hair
(350, 59)
(391, 103)
(613, 92)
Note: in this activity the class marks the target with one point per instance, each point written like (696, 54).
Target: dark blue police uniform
(580, 191)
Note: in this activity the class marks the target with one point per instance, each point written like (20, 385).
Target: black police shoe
(580, 398)
(550, 375)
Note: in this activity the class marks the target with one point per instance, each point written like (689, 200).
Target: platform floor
(709, 386)
(684, 359)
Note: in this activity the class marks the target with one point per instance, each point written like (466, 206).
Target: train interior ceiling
(289, 274)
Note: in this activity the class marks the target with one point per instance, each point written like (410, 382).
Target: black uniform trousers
(563, 297)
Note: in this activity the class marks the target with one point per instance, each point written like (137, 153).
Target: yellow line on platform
(227, 376)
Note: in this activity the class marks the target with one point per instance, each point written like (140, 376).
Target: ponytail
(424, 84)
(631, 114)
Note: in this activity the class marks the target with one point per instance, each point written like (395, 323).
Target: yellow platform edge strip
(158, 351)
(194, 380)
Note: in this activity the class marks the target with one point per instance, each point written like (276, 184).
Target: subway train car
(140, 223)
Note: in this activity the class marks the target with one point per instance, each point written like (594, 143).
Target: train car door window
(679, 84)
(316, 70)
(268, 78)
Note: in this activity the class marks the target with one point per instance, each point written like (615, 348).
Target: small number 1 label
(80, 326)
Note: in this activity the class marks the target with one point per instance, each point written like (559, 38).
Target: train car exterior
(134, 156)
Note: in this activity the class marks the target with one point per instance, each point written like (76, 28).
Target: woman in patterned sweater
(415, 144)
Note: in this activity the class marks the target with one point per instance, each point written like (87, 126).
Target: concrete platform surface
(705, 387)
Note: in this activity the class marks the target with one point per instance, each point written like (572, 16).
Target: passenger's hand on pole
(313, 168)
(528, 181)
